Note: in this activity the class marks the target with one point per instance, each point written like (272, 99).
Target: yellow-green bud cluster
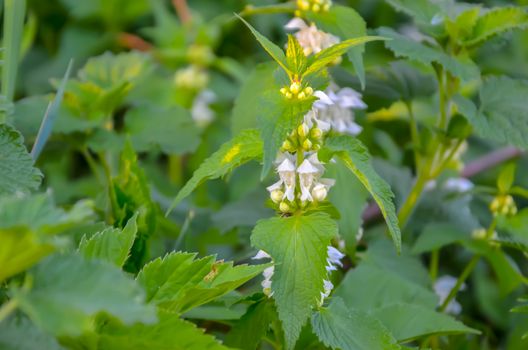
(296, 91)
(503, 204)
(304, 139)
(200, 54)
(315, 6)
(192, 78)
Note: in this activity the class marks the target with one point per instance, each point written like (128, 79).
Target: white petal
(354, 129)
(323, 97)
(458, 185)
(261, 255)
(268, 272)
(296, 23)
(307, 168)
(276, 186)
(335, 256)
(286, 165)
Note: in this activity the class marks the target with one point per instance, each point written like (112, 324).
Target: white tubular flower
(286, 171)
(442, 288)
(261, 255)
(334, 258)
(311, 39)
(328, 286)
(307, 175)
(337, 109)
(201, 113)
(321, 188)
(266, 284)
(458, 185)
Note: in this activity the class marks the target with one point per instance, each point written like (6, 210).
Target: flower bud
(276, 196)
(503, 205)
(316, 133)
(303, 4)
(303, 130)
(284, 207)
(308, 91)
(316, 8)
(316, 147)
(307, 145)
(289, 95)
(283, 90)
(479, 233)
(295, 87)
(287, 146)
(301, 95)
(319, 192)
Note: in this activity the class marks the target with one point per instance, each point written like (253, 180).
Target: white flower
(337, 108)
(327, 286)
(286, 171)
(442, 287)
(311, 39)
(261, 255)
(307, 175)
(266, 284)
(201, 113)
(334, 258)
(321, 188)
(458, 185)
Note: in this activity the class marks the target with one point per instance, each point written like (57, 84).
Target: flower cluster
(311, 39)
(333, 260)
(191, 77)
(296, 91)
(299, 184)
(503, 204)
(313, 6)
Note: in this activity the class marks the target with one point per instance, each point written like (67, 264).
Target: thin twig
(182, 10)
(134, 42)
(372, 212)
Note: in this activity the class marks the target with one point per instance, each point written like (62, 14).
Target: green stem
(272, 9)
(433, 265)
(461, 279)
(442, 122)
(92, 164)
(411, 200)
(111, 189)
(175, 169)
(415, 137)
(8, 308)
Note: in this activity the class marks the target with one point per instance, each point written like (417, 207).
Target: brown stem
(182, 10)
(134, 42)
(372, 212)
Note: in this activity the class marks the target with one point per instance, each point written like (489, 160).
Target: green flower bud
(284, 207)
(316, 133)
(307, 145)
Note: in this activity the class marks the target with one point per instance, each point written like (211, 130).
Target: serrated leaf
(323, 58)
(39, 213)
(514, 230)
(503, 113)
(112, 244)
(21, 248)
(178, 282)
(381, 288)
(423, 11)
(342, 328)
(298, 246)
(16, 165)
(241, 149)
(356, 157)
(410, 321)
(170, 129)
(345, 23)
(68, 291)
(496, 21)
(18, 333)
(273, 50)
(295, 56)
(402, 46)
(169, 333)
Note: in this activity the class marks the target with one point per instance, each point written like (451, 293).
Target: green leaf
(178, 282)
(496, 21)
(380, 288)
(402, 46)
(506, 178)
(276, 120)
(503, 114)
(356, 157)
(513, 230)
(170, 333)
(341, 328)
(273, 50)
(18, 333)
(423, 11)
(247, 104)
(171, 129)
(345, 23)
(295, 56)
(39, 213)
(67, 291)
(438, 235)
(298, 246)
(410, 321)
(252, 327)
(21, 248)
(112, 244)
(241, 149)
(16, 165)
(323, 58)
